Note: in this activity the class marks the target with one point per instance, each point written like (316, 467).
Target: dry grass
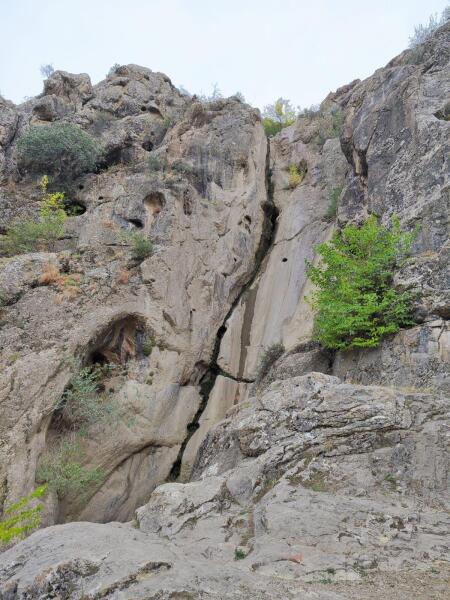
(67, 285)
(123, 276)
(49, 275)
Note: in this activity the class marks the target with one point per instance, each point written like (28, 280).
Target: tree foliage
(47, 70)
(278, 115)
(22, 517)
(63, 150)
(355, 300)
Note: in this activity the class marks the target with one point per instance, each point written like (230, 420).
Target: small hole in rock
(143, 108)
(100, 197)
(136, 222)
(81, 186)
(148, 145)
(74, 209)
(284, 260)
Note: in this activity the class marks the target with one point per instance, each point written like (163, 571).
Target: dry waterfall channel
(226, 455)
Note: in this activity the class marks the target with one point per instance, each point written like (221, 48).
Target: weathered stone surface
(325, 478)
(225, 394)
(312, 480)
(417, 357)
(274, 309)
(200, 202)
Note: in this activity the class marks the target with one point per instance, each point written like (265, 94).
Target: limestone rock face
(255, 464)
(312, 480)
(188, 176)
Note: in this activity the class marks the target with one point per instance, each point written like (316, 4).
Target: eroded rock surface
(192, 178)
(311, 480)
(310, 475)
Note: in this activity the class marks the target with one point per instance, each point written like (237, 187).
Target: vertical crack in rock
(209, 378)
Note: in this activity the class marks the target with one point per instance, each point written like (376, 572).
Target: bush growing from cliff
(278, 115)
(355, 301)
(22, 517)
(63, 472)
(29, 235)
(141, 247)
(333, 203)
(82, 404)
(422, 32)
(297, 174)
(62, 149)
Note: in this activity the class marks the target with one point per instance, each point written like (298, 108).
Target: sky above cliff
(297, 49)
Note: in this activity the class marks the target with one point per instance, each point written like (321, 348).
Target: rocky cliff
(315, 475)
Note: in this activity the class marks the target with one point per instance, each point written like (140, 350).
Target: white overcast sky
(298, 49)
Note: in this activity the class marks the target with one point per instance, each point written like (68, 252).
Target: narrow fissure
(209, 378)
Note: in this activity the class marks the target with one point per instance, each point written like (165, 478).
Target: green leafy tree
(29, 235)
(278, 115)
(62, 149)
(355, 300)
(22, 517)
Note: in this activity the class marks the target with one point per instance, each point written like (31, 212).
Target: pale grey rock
(418, 357)
(23, 271)
(311, 480)
(203, 209)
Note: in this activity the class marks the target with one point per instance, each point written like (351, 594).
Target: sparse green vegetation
(334, 200)
(278, 115)
(22, 517)
(82, 403)
(148, 345)
(63, 472)
(329, 125)
(355, 302)
(423, 32)
(62, 149)
(142, 247)
(239, 554)
(271, 127)
(156, 163)
(296, 174)
(167, 122)
(28, 235)
(391, 480)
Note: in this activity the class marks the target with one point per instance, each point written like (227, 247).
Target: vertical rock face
(299, 465)
(190, 177)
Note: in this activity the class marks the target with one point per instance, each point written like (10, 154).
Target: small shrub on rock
(356, 302)
(333, 205)
(156, 163)
(423, 32)
(148, 345)
(62, 149)
(82, 403)
(141, 247)
(278, 115)
(29, 235)
(271, 127)
(296, 174)
(63, 472)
